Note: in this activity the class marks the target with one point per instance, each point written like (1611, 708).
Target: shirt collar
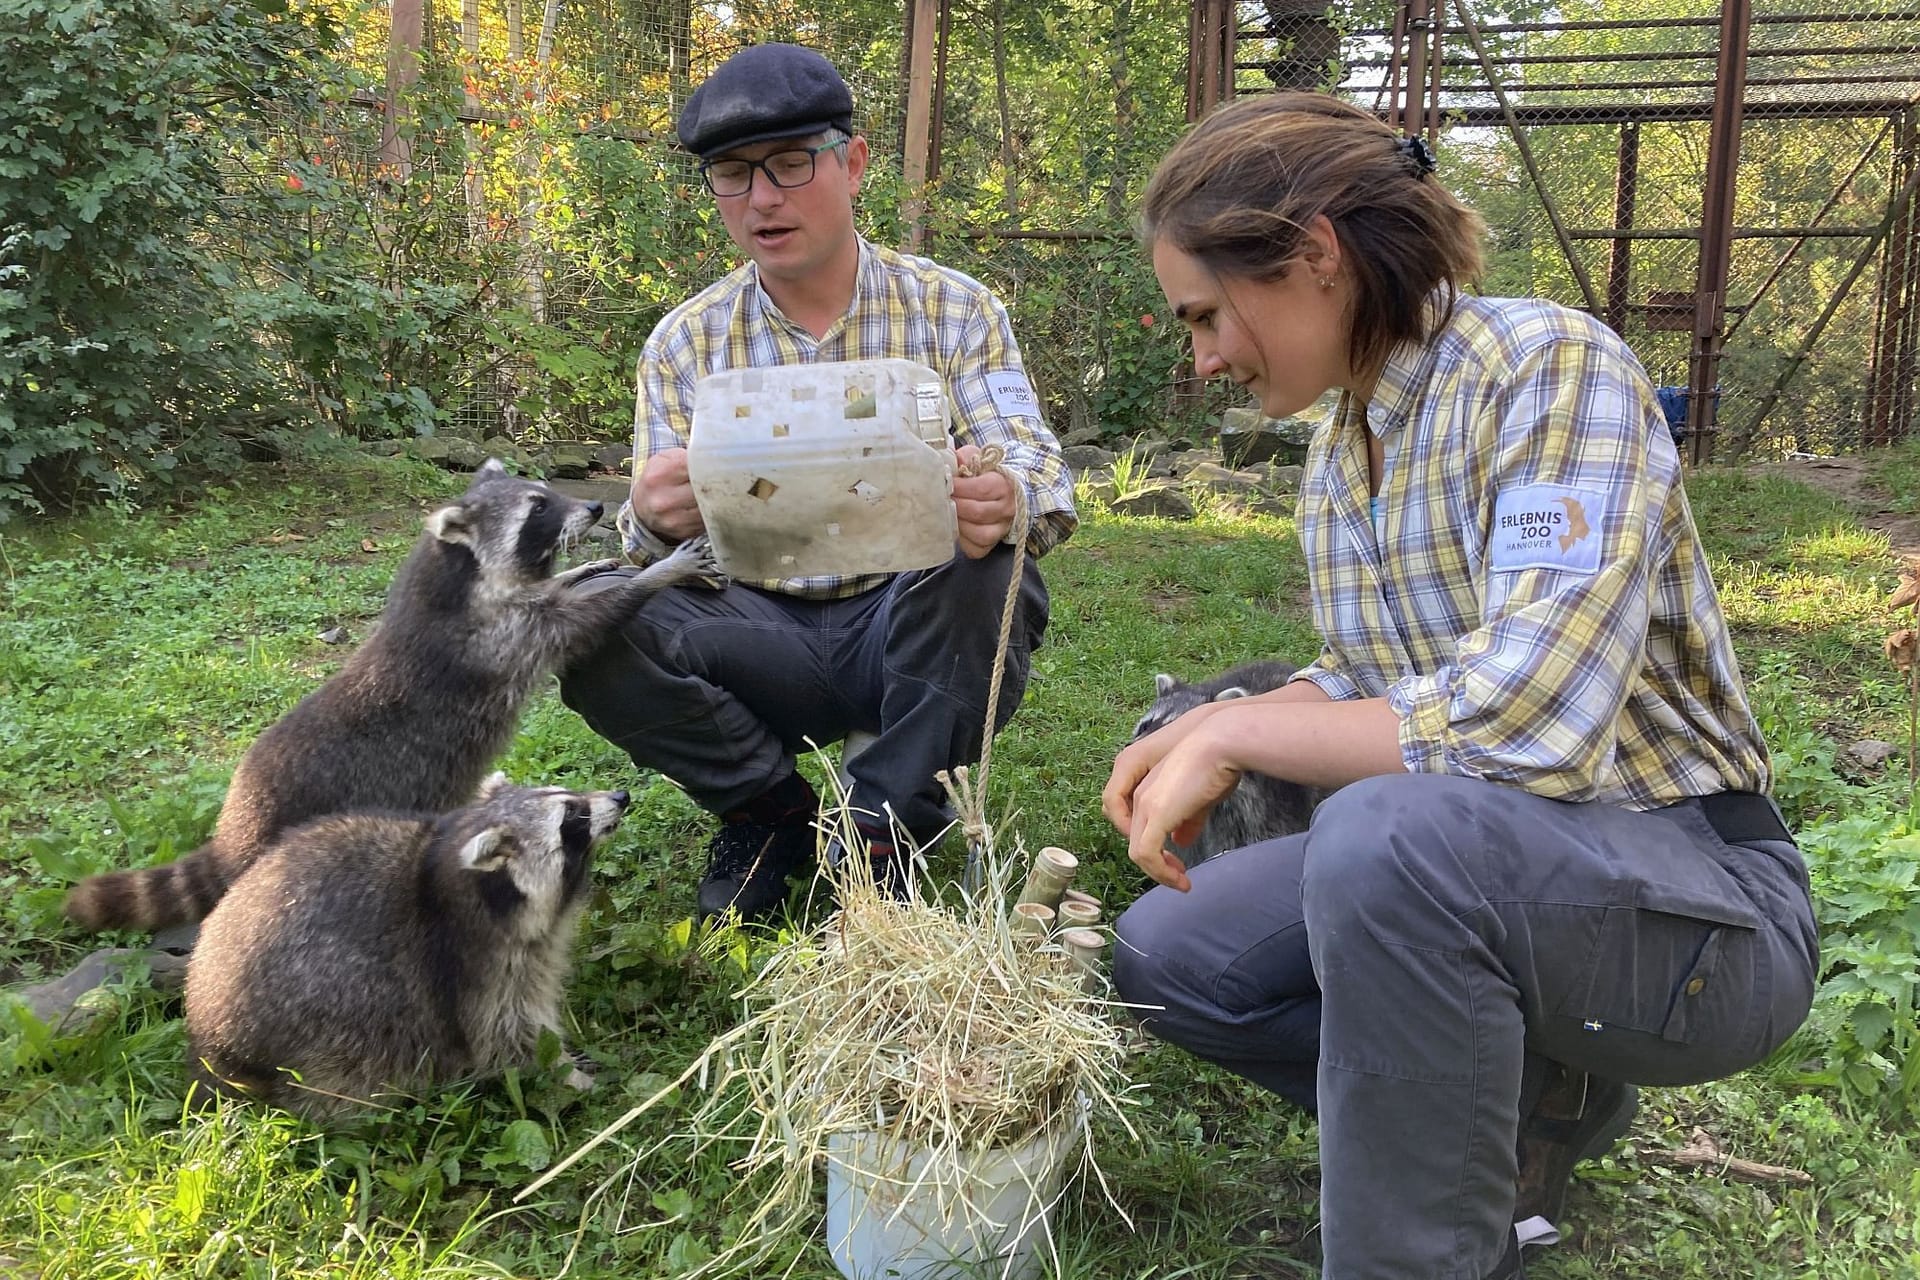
(865, 278)
(1409, 365)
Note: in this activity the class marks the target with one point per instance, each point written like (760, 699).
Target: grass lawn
(139, 655)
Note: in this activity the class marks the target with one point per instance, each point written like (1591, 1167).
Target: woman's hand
(1162, 788)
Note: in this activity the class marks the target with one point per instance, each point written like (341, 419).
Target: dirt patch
(1850, 480)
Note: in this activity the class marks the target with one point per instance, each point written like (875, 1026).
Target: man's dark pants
(719, 690)
(1397, 964)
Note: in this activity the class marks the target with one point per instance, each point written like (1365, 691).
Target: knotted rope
(968, 790)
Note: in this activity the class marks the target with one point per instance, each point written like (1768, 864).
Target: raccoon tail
(178, 893)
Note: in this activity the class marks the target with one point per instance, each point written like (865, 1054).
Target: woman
(1552, 851)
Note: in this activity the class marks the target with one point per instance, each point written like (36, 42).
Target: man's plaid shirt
(1535, 605)
(904, 308)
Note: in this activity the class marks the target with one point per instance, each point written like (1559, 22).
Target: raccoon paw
(580, 573)
(694, 560)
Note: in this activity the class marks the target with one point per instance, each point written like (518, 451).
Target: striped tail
(178, 893)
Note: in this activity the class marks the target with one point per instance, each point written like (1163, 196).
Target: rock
(1285, 479)
(1267, 504)
(434, 449)
(1091, 433)
(386, 448)
(1086, 457)
(613, 457)
(1870, 753)
(72, 1003)
(1246, 438)
(1162, 500)
(1215, 476)
(569, 462)
(334, 635)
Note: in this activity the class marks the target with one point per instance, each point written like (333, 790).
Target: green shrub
(120, 361)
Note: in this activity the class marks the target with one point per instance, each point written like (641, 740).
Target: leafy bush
(119, 360)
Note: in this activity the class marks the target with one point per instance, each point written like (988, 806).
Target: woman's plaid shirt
(903, 308)
(1536, 606)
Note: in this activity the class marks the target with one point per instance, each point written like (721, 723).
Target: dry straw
(935, 1026)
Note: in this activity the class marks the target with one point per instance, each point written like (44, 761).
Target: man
(719, 690)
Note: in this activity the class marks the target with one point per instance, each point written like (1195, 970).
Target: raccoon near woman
(474, 621)
(370, 953)
(1260, 807)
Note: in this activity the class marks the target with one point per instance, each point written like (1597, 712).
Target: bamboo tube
(1031, 922)
(1076, 914)
(1081, 895)
(1052, 872)
(1087, 949)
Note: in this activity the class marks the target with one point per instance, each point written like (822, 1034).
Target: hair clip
(1416, 149)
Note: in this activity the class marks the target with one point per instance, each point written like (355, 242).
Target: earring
(1326, 282)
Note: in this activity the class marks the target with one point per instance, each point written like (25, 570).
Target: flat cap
(763, 92)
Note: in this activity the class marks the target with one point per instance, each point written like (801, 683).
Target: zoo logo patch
(1544, 526)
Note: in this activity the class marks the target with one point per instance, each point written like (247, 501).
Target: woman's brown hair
(1239, 190)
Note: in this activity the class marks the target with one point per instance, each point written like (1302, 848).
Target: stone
(1224, 479)
(1086, 457)
(613, 457)
(1285, 479)
(569, 462)
(1870, 753)
(1162, 500)
(334, 635)
(1247, 439)
(74, 1002)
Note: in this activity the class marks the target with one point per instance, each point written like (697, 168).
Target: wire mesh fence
(568, 224)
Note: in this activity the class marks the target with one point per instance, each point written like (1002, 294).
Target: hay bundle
(932, 1026)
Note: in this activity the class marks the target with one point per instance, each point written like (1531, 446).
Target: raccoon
(1260, 807)
(369, 953)
(474, 620)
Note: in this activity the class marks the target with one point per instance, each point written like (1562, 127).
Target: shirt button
(1695, 987)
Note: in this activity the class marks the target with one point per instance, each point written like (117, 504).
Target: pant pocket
(1678, 964)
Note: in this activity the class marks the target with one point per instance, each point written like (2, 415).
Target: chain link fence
(568, 224)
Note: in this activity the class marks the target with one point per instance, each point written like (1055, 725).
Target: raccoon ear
(491, 467)
(490, 850)
(450, 524)
(1163, 682)
(1228, 695)
(494, 784)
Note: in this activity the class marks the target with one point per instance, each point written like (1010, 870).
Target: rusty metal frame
(1412, 96)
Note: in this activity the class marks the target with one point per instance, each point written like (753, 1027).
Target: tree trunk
(476, 179)
(1009, 153)
(1125, 109)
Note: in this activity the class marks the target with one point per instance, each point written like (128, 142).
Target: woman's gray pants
(1397, 963)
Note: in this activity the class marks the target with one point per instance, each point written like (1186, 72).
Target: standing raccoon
(474, 621)
(1260, 807)
(368, 953)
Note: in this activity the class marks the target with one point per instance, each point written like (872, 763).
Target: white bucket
(838, 468)
(889, 1219)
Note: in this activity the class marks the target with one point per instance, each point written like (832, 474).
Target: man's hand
(663, 497)
(984, 504)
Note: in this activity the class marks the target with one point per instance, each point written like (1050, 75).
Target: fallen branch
(1703, 1152)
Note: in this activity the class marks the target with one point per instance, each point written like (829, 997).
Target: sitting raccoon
(1260, 807)
(474, 621)
(370, 953)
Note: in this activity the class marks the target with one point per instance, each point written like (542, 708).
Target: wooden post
(923, 23)
(404, 40)
(1716, 226)
(1626, 185)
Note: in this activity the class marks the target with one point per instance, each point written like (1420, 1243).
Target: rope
(968, 789)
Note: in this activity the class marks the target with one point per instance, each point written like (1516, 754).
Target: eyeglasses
(784, 169)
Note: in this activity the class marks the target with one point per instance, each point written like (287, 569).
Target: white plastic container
(840, 468)
(888, 1219)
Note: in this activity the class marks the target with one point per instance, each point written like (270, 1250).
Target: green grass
(139, 655)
